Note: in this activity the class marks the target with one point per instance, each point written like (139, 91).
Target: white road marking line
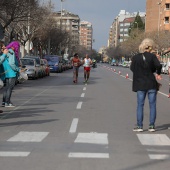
(83, 94)
(28, 137)
(79, 105)
(88, 155)
(84, 88)
(74, 125)
(14, 154)
(154, 139)
(158, 150)
(159, 156)
(122, 76)
(93, 138)
(163, 93)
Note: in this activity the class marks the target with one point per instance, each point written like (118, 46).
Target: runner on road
(87, 62)
(76, 64)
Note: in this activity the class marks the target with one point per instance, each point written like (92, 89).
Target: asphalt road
(58, 125)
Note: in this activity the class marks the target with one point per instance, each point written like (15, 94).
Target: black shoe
(151, 128)
(138, 129)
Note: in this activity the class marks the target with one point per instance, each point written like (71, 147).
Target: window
(127, 24)
(167, 6)
(166, 20)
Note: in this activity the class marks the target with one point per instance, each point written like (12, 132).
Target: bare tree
(15, 11)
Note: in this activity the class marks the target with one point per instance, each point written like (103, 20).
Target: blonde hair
(146, 45)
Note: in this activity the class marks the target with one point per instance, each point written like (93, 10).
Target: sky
(101, 13)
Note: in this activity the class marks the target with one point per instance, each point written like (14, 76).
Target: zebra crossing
(92, 145)
(22, 137)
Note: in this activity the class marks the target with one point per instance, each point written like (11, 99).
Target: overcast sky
(100, 13)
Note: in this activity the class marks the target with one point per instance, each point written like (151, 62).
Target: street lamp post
(61, 20)
(137, 26)
(159, 3)
(28, 30)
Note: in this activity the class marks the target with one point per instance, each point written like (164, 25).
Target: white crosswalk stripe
(156, 140)
(99, 139)
(14, 154)
(88, 155)
(23, 136)
(94, 138)
(28, 137)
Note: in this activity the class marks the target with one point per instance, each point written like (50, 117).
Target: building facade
(157, 15)
(124, 28)
(69, 22)
(120, 26)
(86, 34)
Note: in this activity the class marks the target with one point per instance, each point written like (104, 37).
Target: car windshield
(27, 62)
(37, 59)
(52, 58)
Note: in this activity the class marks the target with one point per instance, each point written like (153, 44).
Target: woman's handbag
(22, 77)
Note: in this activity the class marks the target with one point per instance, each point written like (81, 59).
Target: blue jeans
(141, 95)
(10, 83)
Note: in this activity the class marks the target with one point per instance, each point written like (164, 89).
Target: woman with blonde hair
(143, 66)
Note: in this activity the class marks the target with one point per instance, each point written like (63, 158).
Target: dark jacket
(143, 71)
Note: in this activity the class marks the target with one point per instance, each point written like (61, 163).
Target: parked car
(38, 64)
(126, 64)
(47, 68)
(30, 66)
(64, 65)
(42, 66)
(55, 63)
(69, 64)
(164, 68)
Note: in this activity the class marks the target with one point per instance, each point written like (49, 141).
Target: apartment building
(120, 26)
(69, 22)
(86, 34)
(124, 28)
(110, 40)
(157, 15)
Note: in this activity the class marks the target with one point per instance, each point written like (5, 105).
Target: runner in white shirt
(86, 63)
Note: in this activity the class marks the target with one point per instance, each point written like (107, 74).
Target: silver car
(31, 67)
